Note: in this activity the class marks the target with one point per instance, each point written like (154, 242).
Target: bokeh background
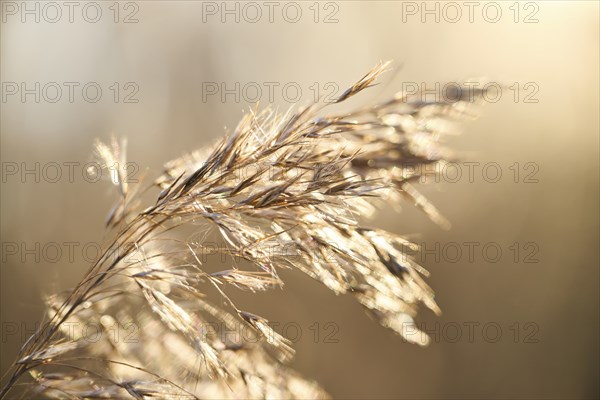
(547, 310)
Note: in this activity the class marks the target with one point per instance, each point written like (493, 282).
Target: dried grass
(285, 190)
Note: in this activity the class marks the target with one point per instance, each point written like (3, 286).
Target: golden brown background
(170, 52)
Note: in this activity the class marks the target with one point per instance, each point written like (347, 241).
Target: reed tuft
(289, 190)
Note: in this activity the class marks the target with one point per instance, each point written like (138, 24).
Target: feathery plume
(289, 190)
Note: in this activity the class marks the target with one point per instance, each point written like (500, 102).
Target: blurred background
(521, 317)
